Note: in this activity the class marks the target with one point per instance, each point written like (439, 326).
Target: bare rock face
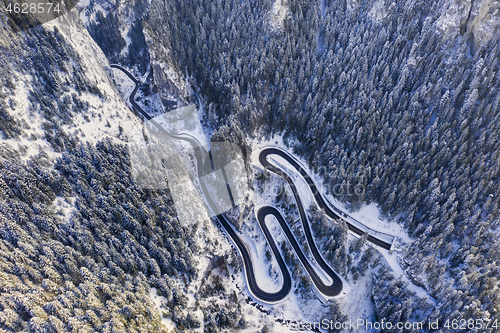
(478, 17)
(484, 19)
(478, 20)
(166, 88)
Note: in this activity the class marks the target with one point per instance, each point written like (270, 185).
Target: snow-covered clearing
(64, 207)
(359, 305)
(392, 259)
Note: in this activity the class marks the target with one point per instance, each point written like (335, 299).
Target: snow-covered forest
(406, 91)
(416, 107)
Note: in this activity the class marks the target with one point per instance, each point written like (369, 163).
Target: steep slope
(58, 88)
(81, 244)
(74, 228)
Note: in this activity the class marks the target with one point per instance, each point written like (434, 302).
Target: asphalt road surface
(203, 160)
(317, 195)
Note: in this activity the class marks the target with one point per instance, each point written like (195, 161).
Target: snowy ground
(370, 215)
(267, 272)
(184, 120)
(124, 84)
(392, 260)
(359, 305)
(152, 103)
(378, 11)
(158, 301)
(64, 207)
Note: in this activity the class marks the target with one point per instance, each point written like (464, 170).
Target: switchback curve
(201, 160)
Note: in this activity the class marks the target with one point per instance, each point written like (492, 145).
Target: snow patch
(378, 13)
(278, 14)
(451, 16)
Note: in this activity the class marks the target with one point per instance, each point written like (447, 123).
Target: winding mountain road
(317, 196)
(203, 162)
